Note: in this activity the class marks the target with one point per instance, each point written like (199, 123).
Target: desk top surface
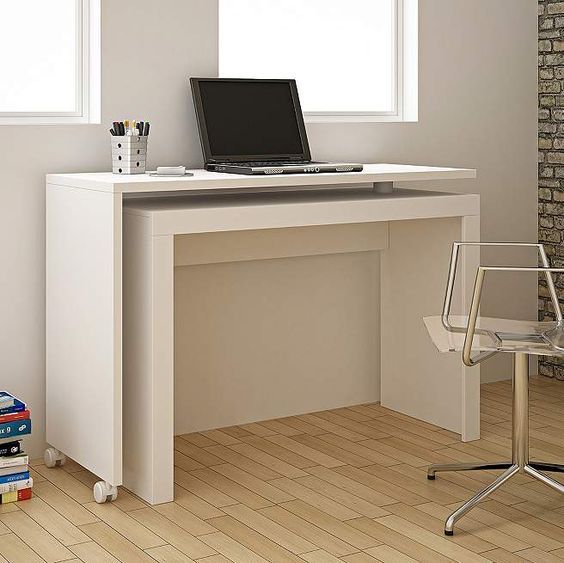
(203, 180)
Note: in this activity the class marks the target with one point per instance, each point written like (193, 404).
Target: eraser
(171, 170)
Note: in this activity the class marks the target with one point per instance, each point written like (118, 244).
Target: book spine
(13, 461)
(16, 428)
(8, 401)
(5, 471)
(14, 496)
(14, 477)
(10, 448)
(22, 415)
(15, 408)
(16, 485)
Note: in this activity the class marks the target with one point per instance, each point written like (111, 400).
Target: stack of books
(15, 421)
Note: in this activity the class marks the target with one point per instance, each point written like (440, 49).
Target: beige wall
(477, 108)
(145, 78)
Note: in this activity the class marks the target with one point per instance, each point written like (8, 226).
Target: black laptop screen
(250, 119)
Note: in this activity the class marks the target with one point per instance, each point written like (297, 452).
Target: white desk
(118, 423)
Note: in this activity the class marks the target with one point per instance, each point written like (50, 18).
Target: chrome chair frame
(520, 462)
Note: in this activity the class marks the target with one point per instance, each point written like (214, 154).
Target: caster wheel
(431, 477)
(449, 532)
(53, 457)
(104, 492)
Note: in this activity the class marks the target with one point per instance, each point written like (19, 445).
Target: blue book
(9, 403)
(15, 428)
(14, 477)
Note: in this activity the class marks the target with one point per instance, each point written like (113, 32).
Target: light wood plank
(14, 550)
(388, 554)
(116, 544)
(36, 537)
(432, 541)
(317, 536)
(63, 503)
(168, 554)
(334, 526)
(244, 463)
(58, 526)
(172, 533)
(123, 523)
(231, 489)
(305, 451)
(272, 530)
(91, 552)
(233, 550)
(195, 504)
(251, 538)
(322, 502)
(278, 465)
(183, 518)
(265, 490)
(320, 556)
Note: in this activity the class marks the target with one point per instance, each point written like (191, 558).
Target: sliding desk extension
(110, 298)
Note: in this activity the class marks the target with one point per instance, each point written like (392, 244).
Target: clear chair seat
(539, 338)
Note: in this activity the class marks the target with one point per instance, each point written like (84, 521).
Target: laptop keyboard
(270, 163)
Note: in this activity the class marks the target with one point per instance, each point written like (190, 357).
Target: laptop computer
(255, 126)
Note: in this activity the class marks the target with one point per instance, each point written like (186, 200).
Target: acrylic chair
(480, 338)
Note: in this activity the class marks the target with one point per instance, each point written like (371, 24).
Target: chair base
(533, 468)
(520, 450)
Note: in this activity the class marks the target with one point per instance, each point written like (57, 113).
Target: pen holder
(129, 154)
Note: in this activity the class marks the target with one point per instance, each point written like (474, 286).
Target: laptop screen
(250, 120)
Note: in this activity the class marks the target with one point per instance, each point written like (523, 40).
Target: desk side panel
(417, 380)
(84, 417)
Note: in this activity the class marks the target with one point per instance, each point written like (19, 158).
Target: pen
(129, 127)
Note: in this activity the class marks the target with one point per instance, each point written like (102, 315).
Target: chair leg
(542, 466)
(533, 472)
(520, 450)
(469, 505)
(437, 467)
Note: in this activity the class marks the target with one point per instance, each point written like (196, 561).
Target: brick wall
(551, 154)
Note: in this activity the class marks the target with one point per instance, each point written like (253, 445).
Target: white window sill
(357, 118)
(47, 120)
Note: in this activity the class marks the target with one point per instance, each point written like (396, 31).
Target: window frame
(88, 66)
(405, 74)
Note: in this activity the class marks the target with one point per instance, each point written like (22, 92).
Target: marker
(147, 127)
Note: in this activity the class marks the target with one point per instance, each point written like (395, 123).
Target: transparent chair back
(479, 338)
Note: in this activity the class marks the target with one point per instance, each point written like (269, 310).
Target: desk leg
(148, 379)
(416, 379)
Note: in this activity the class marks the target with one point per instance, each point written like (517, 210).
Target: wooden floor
(344, 485)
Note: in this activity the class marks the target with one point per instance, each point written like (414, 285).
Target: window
(49, 61)
(354, 60)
